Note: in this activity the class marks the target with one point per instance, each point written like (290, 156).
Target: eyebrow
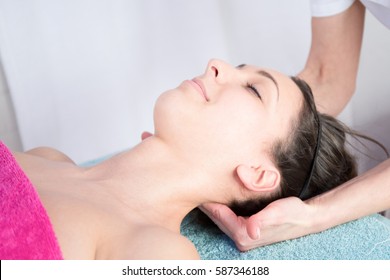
(266, 75)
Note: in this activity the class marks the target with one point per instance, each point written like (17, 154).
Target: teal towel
(367, 238)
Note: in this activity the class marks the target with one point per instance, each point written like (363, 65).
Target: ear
(264, 178)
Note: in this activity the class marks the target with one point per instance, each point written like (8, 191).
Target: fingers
(266, 219)
(282, 219)
(231, 224)
(260, 221)
(253, 226)
(223, 217)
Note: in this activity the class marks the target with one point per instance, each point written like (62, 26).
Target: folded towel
(367, 238)
(25, 228)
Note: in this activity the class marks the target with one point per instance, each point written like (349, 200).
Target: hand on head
(283, 219)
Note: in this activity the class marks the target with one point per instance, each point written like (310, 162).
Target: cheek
(241, 115)
(232, 128)
(237, 127)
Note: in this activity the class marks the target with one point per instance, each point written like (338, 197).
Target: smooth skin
(331, 70)
(131, 205)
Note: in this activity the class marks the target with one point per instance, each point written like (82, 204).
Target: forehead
(281, 79)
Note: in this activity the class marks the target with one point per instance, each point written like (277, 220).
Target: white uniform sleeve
(380, 9)
(324, 8)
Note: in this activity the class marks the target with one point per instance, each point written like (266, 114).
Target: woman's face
(228, 114)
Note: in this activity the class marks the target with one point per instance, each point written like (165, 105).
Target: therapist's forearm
(364, 195)
(332, 64)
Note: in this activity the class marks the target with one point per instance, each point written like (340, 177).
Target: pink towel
(25, 229)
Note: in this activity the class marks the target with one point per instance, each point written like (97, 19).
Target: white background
(286, 269)
(84, 74)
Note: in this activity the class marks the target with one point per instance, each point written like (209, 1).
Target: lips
(198, 85)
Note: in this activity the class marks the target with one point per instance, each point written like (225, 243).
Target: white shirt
(379, 8)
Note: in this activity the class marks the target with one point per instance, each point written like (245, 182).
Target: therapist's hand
(283, 219)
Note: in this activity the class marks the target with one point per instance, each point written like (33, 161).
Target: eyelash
(254, 90)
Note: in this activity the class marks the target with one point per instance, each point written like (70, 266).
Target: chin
(168, 116)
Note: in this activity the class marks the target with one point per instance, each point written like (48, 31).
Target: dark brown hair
(323, 162)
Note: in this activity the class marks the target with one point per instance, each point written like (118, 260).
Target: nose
(220, 70)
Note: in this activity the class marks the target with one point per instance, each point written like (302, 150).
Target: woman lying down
(242, 136)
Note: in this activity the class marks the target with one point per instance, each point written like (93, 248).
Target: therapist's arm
(366, 194)
(332, 65)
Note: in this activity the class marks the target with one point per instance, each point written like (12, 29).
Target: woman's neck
(153, 183)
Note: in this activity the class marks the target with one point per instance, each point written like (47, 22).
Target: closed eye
(254, 90)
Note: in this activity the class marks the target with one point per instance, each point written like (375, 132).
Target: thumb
(253, 226)
(265, 219)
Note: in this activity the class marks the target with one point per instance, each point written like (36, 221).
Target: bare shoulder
(50, 154)
(159, 243)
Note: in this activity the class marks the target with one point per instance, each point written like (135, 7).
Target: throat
(150, 185)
